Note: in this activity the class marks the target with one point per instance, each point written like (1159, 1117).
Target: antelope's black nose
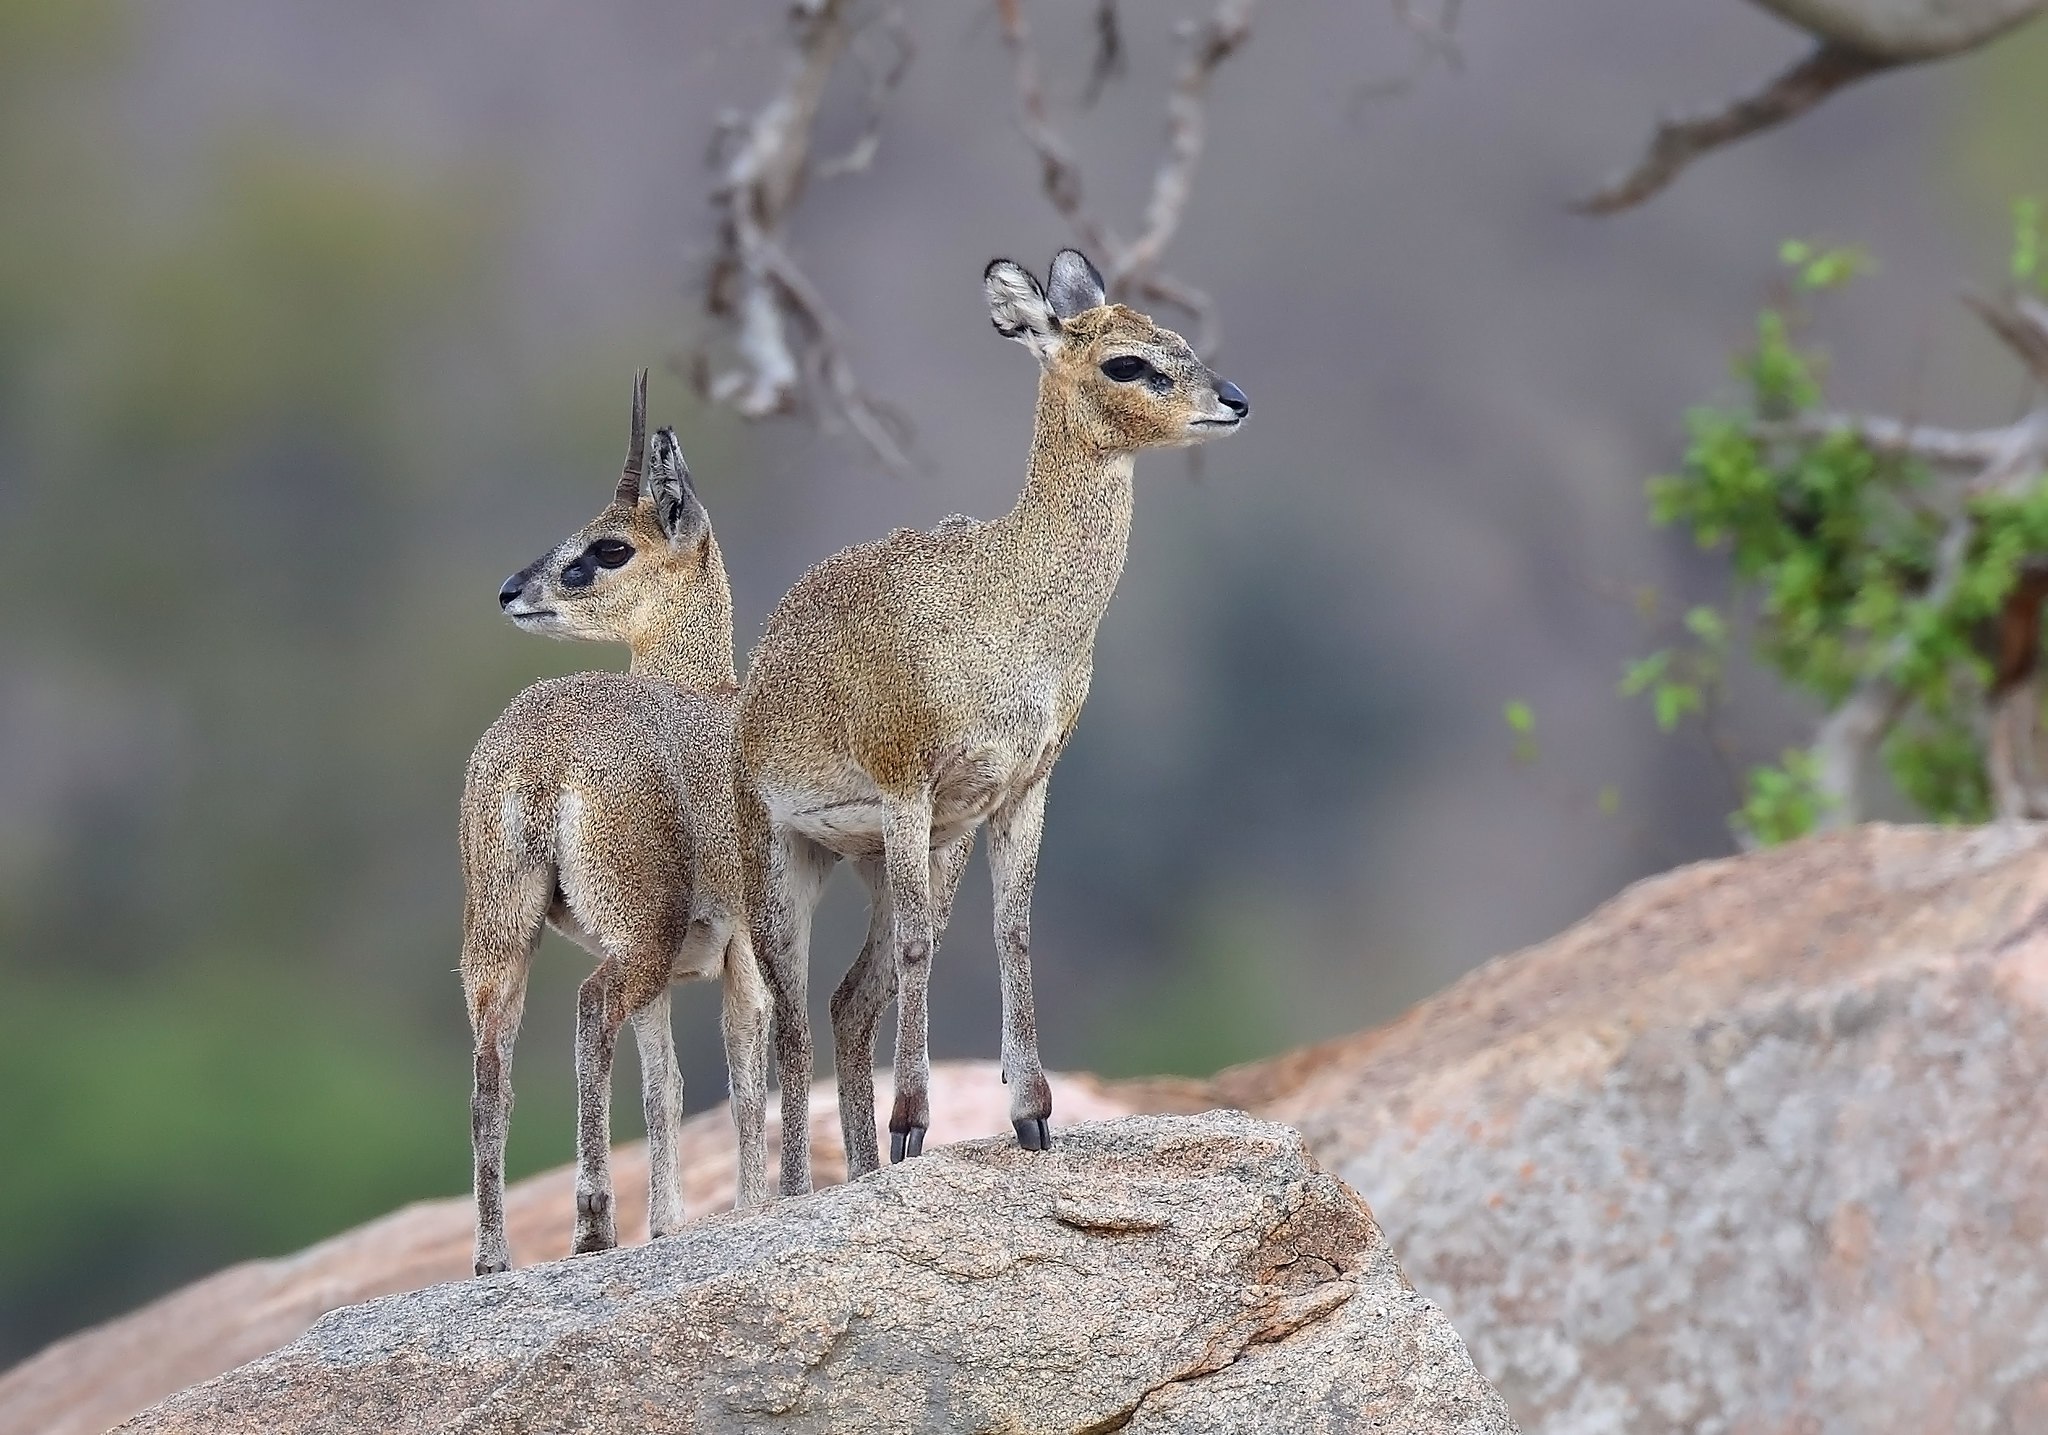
(511, 590)
(1233, 398)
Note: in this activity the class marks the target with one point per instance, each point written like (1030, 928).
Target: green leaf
(1673, 701)
(1645, 671)
(1816, 268)
(2027, 265)
(1519, 717)
(1707, 625)
(1783, 802)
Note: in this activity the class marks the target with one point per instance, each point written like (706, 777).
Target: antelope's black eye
(611, 552)
(1126, 369)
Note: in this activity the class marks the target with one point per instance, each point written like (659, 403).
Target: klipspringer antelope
(601, 804)
(906, 692)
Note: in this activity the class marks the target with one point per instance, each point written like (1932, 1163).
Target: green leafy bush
(1835, 548)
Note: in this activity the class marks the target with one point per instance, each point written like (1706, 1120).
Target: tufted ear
(1074, 284)
(1019, 307)
(667, 487)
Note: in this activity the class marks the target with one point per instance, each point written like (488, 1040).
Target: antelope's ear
(1074, 284)
(1019, 308)
(667, 486)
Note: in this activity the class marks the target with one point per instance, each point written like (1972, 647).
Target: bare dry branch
(2021, 321)
(1435, 46)
(1209, 45)
(1133, 267)
(1109, 62)
(786, 344)
(1058, 172)
(1945, 447)
(1848, 737)
(1678, 142)
(1906, 29)
(883, 77)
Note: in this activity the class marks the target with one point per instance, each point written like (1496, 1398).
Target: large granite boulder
(99, 1377)
(1754, 1148)
(1758, 1147)
(1151, 1274)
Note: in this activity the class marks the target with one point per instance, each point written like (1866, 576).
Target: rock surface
(1757, 1147)
(100, 1377)
(1150, 1274)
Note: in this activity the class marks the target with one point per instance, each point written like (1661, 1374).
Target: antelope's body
(602, 804)
(906, 692)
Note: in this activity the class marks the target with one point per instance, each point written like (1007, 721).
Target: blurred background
(316, 321)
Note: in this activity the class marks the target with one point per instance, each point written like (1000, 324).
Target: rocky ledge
(1150, 1274)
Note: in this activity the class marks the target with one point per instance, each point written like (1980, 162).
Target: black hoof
(904, 1144)
(1033, 1134)
(492, 1268)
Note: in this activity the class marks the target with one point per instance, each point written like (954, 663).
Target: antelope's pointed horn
(636, 451)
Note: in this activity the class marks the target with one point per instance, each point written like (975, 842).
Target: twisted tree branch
(1209, 45)
(1133, 267)
(786, 344)
(2002, 461)
(2021, 322)
(1943, 447)
(1678, 142)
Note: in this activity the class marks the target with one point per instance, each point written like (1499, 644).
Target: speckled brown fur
(602, 804)
(907, 691)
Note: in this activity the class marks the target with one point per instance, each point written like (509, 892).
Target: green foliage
(1817, 268)
(1522, 723)
(1833, 548)
(2029, 229)
(1782, 802)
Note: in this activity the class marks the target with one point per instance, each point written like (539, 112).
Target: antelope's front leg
(907, 855)
(1013, 835)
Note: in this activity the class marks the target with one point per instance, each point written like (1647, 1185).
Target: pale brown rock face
(1755, 1148)
(1758, 1147)
(1154, 1274)
(100, 1377)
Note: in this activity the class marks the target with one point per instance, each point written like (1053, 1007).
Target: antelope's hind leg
(661, 1098)
(794, 873)
(616, 991)
(867, 987)
(501, 926)
(745, 1028)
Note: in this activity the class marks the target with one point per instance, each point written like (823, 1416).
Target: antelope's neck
(690, 644)
(1073, 522)
(674, 658)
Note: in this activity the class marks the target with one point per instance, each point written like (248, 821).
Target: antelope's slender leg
(867, 987)
(501, 926)
(1013, 835)
(795, 873)
(661, 1098)
(856, 1008)
(907, 863)
(745, 1027)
